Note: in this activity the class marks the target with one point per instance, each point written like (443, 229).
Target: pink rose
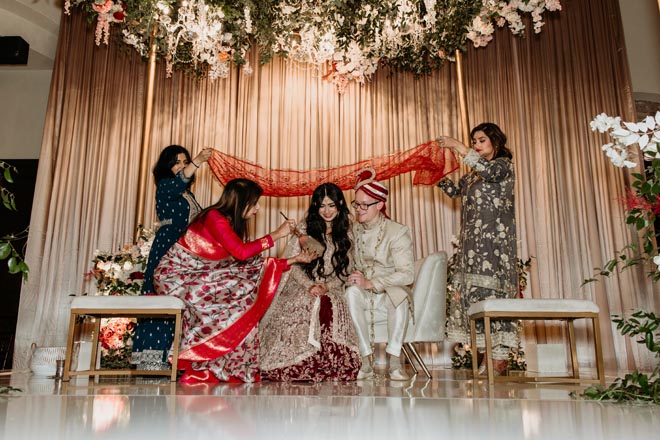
(105, 7)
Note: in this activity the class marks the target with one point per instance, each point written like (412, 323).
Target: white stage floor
(449, 406)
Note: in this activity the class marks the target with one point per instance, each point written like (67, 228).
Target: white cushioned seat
(429, 297)
(534, 305)
(138, 306)
(127, 302)
(567, 310)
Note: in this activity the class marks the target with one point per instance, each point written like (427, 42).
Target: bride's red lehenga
(227, 287)
(309, 338)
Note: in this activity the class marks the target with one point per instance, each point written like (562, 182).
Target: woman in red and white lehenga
(308, 334)
(226, 286)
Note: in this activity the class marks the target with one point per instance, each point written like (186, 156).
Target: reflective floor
(449, 406)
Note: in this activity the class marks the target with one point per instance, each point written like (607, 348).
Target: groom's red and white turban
(366, 182)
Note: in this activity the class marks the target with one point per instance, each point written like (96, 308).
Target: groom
(384, 268)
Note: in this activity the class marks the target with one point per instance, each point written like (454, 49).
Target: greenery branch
(642, 202)
(8, 252)
(630, 140)
(14, 257)
(634, 386)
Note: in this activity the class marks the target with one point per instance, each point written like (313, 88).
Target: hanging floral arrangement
(348, 40)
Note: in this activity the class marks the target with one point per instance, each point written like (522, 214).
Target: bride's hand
(318, 290)
(304, 256)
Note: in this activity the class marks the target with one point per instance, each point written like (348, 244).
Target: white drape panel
(542, 90)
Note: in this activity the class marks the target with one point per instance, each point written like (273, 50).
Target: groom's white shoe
(366, 372)
(398, 374)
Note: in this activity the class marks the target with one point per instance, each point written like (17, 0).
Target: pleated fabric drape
(542, 90)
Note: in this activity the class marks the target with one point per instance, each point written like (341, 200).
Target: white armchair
(429, 298)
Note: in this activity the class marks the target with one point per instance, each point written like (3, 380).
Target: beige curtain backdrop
(542, 90)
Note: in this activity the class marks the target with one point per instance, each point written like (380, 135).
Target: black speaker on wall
(13, 50)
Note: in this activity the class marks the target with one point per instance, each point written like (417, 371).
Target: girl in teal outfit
(176, 206)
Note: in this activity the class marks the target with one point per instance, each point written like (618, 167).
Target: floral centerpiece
(353, 38)
(120, 273)
(116, 339)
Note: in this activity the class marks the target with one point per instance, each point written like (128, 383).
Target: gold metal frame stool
(537, 309)
(142, 306)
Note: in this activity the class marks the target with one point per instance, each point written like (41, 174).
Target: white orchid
(656, 261)
(642, 199)
(644, 134)
(416, 35)
(503, 12)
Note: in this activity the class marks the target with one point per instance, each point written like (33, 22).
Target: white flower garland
(207, 35)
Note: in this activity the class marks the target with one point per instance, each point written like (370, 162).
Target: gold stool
(122, 306)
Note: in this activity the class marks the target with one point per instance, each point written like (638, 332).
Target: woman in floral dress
(307, 334)
(485, 264)
(176, 206)
(225, 284)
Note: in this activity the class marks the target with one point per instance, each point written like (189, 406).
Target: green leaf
(5, 250)
(8, 177)
(12, 263)
(25, 269)
(652, 326)
(5, 202)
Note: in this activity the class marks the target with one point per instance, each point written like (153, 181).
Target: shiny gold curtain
(543, 90)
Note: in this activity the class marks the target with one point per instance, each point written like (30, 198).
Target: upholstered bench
(143, 306)
(537, 309)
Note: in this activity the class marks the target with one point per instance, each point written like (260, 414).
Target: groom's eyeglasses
(362, 206)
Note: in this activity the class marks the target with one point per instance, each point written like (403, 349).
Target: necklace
(362, 252)
(368, 269)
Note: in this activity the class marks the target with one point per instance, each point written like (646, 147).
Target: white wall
(641, 27)
(23, 98)
(24, 89)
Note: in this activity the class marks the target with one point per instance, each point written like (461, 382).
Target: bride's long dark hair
(316, 228)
